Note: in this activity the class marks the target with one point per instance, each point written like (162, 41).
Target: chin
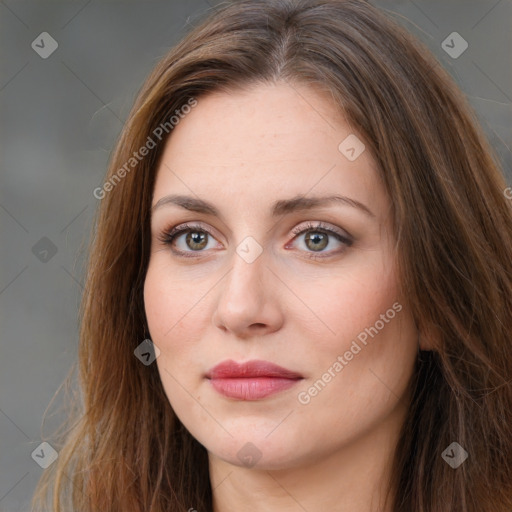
(256, 451)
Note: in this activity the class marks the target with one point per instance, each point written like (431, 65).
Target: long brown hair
(125, 448)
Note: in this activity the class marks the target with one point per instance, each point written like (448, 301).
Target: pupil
(196, 239)
(317, 238)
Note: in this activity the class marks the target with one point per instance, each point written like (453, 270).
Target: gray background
(60, 117)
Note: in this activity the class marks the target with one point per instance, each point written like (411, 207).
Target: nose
(247, 301)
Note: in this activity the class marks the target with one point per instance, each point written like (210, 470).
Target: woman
(299, 293)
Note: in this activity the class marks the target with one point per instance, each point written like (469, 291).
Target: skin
(242, 152)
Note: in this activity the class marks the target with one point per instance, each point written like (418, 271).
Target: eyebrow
(281, 207)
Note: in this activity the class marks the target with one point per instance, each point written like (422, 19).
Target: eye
(320, 236)
(186, 239)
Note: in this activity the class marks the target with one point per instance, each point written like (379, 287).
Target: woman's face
(270, 270)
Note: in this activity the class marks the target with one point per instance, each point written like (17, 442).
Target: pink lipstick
(252, 380)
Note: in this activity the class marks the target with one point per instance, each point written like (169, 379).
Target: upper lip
(256, 368)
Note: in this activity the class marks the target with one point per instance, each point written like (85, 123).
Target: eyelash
(168, 236)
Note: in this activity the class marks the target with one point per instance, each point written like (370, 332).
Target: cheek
(367, 360)
(361, 318)
(351, 301)
(170, 322)
(156, 304)
(168, 301)
(176, 316)
(163, 313)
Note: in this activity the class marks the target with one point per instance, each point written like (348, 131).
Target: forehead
(266, 141)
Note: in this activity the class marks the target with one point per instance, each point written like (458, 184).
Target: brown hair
(453, 227)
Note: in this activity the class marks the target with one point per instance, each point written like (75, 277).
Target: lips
(252, 380)
(232, 370)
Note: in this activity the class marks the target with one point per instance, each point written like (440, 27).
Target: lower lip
(252, 388)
